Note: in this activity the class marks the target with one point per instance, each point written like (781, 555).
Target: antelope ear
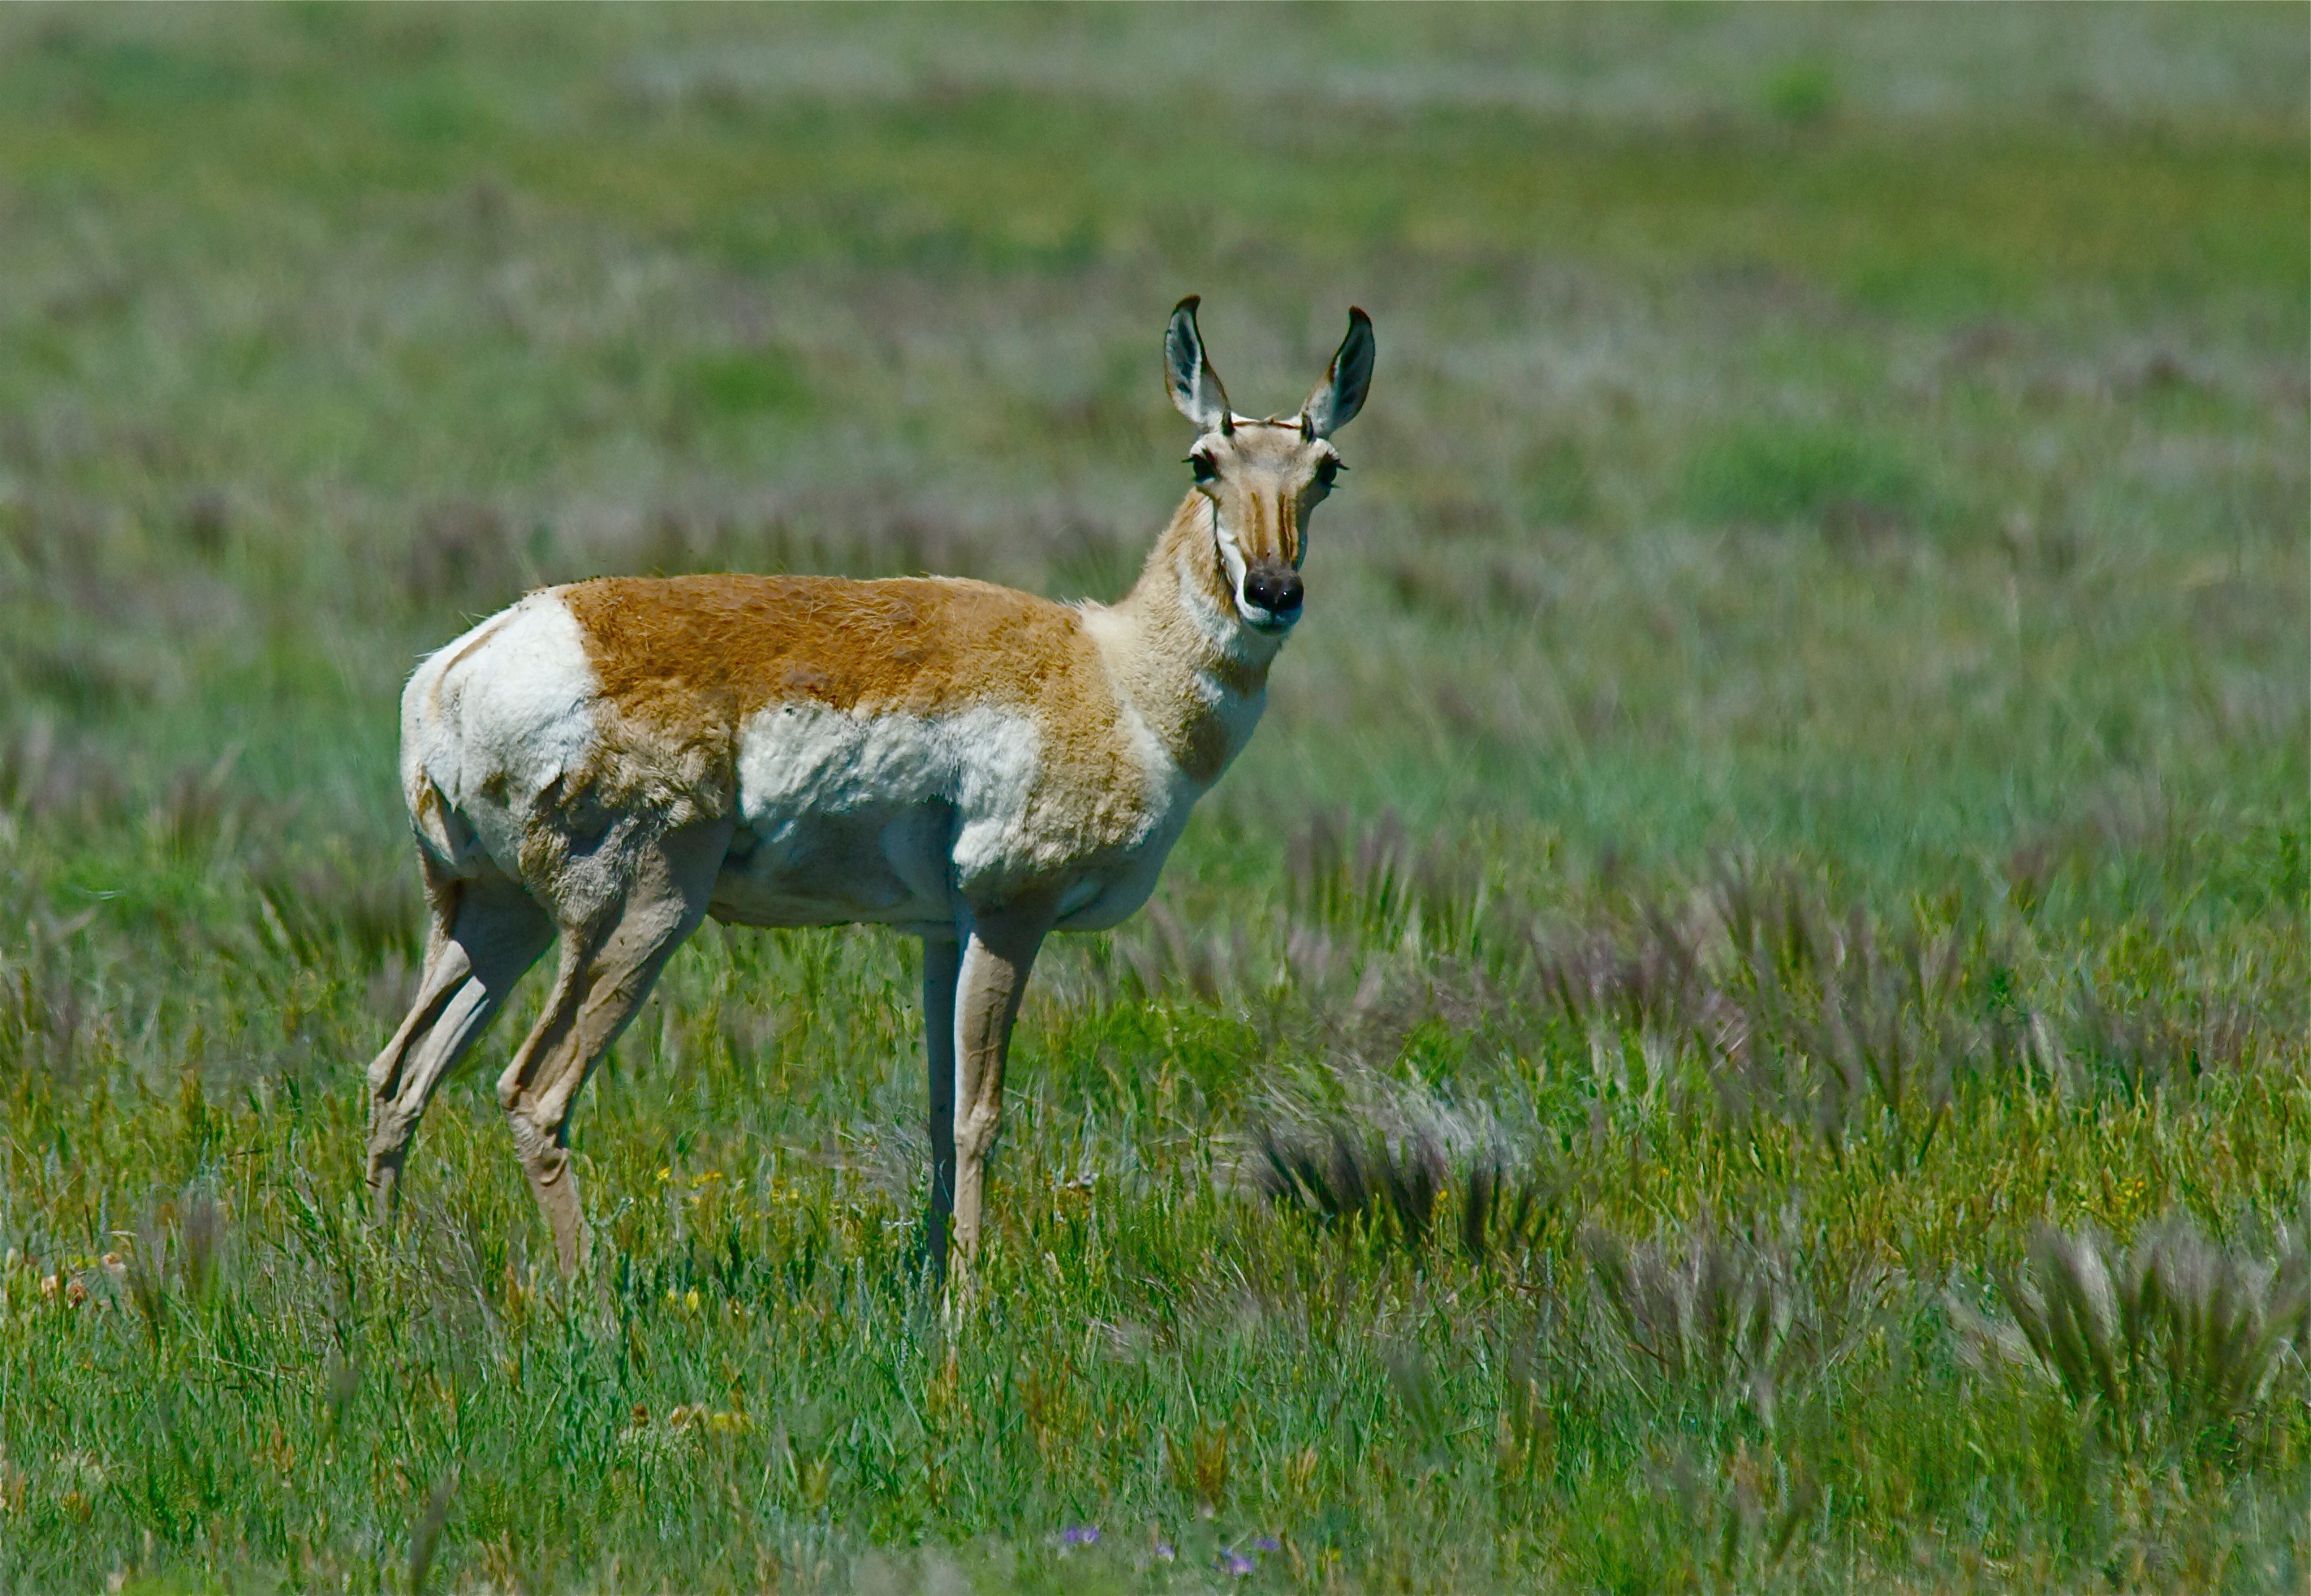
(1338, 398)
(1195, 387)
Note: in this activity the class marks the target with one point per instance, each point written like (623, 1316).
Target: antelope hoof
(384, 1189)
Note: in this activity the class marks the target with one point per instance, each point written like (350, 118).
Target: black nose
(1275, 588)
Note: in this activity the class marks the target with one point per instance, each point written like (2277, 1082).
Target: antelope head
(1264, 477)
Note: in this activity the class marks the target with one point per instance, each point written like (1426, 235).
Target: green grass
(1781, 851)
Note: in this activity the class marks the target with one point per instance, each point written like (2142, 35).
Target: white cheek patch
(1233, 626)
(1214, 622)
(1232, 556)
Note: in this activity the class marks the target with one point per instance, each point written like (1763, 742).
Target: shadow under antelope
(611, 761)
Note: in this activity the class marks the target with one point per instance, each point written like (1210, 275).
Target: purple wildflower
(1265, 1543)
(1079, 1535)
(1235, 1563)
(1164, 1552)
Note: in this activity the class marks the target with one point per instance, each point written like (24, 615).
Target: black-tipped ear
(1338, 398)
(1195, 387)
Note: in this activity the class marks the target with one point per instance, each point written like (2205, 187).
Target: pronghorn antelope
(614, 761)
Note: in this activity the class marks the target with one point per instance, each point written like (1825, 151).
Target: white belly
(875, 817)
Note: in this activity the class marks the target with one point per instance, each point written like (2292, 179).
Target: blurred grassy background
(1840, 465)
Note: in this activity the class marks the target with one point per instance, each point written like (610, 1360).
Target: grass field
(1742, 1024)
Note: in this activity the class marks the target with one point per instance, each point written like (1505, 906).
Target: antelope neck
(1189, 663)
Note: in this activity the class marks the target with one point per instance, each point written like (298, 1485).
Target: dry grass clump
(1162, 953)
(49, 1020)
(1357, 894)
(2174, 1338)
(1405, 1174)
(2150, 1044)
(1836, 1010)
(1377, 880)
(61, 780)
(180, 1256)
(47, 778)
(462, 552)
(1786, 1002)
(1381, 929)
(199, 809)
(1738, 1318)
(1795, 1007)
(1736, 1520)
(363, 901)
(1832, 1018)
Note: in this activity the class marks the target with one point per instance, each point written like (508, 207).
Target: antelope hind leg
(486, 934)
(607, 968)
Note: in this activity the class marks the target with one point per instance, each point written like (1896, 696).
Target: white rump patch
(490, 722)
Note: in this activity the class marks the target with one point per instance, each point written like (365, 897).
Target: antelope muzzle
(1274, 588)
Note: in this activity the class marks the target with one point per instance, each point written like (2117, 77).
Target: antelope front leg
(942, 963)
(997, 956)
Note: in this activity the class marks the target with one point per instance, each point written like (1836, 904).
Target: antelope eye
(1328, 470)
(1206, 469)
